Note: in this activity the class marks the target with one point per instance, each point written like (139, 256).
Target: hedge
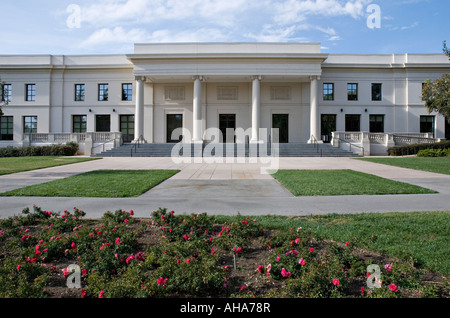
(70, 149)
(414, 149)
(434, 153)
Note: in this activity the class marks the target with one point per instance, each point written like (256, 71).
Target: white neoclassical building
(255, 87)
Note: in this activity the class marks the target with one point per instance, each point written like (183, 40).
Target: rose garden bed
(179, 256)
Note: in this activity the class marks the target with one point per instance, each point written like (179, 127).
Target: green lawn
(437, 164)
(20, 164)
(421, 237)
(100, 183)
(341, 182)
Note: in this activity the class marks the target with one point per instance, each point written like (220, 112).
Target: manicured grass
(421, 237)
(100, 183)
(341, 182)
(431, 164)
(20, 164)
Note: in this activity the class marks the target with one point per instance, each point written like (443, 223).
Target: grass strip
(99, 183)
(342, 182)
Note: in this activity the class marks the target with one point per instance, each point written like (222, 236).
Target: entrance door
(103, 123)
(328, 125)
(352, 123)
(281, 121)
(174, 122)
(127, 128)
(227, 121)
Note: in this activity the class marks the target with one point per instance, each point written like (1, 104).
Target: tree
(446, 50)
(437, 95)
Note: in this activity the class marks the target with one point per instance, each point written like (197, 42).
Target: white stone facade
(251, 82)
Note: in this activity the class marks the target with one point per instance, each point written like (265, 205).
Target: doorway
(227, 122)
(281, 121)
(127, 128)
(328, 126)
(174, 121)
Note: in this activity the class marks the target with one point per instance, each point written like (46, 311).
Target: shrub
(408, 150)
(70, 149)
(434, 153)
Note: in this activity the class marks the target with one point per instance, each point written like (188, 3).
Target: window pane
(79, 92)
(30, 125)
(328, 91)
(30, 94)
(352, 91)
(103, 92)
(127, 92)
(377, 123)
(376, 92)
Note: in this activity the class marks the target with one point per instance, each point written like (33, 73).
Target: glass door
(328, 125)
(227, 122)
(127, 128)
(174, 122)
(281, 121)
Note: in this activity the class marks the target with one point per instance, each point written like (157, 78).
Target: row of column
(197, 109)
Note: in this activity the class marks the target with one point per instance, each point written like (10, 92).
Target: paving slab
(227, 188)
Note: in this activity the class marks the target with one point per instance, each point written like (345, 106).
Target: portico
(250, 82)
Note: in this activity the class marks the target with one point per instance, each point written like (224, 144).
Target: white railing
(87, 141)
(379, 143)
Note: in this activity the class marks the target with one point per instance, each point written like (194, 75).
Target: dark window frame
(375, 93)
(80, 92)
(352, 91)
(349, 125)
(7, 126)
(6, 93)
(33, 122)
(127, 92)
(328, 91)
(424, 125)
(375, 124)
(103, 92)
(30, 92)
(79, 124)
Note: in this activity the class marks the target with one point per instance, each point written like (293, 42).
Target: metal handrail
(315, 142)
(136, 145)
(351, 144)
(103, 144)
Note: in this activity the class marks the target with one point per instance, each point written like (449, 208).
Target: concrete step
(236, 150)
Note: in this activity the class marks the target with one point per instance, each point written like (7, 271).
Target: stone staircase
(225, 150)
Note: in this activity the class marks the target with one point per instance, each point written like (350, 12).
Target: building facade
(207, 87)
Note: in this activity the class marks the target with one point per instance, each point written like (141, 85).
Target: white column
(314, 119)
(256, 108)
(197, 111)
(139, 112)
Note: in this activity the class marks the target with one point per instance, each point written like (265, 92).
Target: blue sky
(113, 26)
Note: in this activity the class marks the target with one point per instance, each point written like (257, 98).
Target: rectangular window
(30, 124)
(352, 123)
(6, 128)
(427, 124)
(79, 92)
(30, 92)
(127, 92)
(352, 91)
(79, 123)
(328, 91)
(376, 123)
(376, 92)
(103, 92)
(7, 93)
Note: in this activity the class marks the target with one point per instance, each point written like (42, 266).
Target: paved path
(230, 188)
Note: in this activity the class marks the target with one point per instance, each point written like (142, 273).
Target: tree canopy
(436, 95)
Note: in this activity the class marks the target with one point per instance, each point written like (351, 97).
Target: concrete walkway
(230, 188)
